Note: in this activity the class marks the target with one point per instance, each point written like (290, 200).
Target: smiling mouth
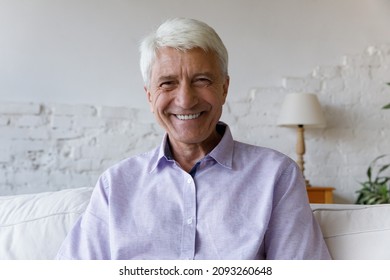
(188, 117)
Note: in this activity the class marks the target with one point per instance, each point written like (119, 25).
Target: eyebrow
(167, 77)
(208, 74)
(175, 77)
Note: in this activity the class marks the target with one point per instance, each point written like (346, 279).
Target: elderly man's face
(186, 94)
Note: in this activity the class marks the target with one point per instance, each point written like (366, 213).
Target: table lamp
(301, 110)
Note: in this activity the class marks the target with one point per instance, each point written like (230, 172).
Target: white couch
(33, 226)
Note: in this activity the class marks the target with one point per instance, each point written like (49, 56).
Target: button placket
(189, 227)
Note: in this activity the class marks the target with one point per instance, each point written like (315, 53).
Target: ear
(225, 87)
(150, 99)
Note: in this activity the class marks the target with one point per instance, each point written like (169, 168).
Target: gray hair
(181, 34)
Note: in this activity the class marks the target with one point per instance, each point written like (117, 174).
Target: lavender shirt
(244, 202)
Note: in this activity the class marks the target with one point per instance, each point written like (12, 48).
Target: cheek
(218, 98)
(157, 103)
(150, 100)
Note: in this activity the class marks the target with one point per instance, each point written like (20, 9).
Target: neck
(187, 155)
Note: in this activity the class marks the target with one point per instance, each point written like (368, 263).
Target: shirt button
(189, 180)
(189, 221)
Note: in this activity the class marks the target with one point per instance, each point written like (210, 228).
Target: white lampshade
(301, 109)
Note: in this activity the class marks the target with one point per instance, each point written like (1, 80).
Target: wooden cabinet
(320, 194)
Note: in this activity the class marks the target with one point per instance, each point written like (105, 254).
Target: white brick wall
(47, 147)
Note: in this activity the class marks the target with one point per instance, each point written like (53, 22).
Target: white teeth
(188, 117)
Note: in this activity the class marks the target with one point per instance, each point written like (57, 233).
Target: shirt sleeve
(293, 232)
(89, 237)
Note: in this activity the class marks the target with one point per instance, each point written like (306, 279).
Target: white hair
(181, 34)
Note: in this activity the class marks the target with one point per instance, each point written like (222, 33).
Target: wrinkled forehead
(193, 60)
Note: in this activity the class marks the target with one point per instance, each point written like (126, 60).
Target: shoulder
(260, 154)
(262, 161)
(131, 168)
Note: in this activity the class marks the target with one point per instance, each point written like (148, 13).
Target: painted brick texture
(46, 147)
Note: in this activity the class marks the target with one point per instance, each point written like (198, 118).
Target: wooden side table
(320, 194)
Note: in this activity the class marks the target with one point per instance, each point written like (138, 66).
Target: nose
(186, 96)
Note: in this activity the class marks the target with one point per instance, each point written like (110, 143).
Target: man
(200, 195)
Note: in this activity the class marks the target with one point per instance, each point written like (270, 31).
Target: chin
(187, 138)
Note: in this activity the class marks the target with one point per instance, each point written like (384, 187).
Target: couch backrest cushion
(33, 226)
(356, 232)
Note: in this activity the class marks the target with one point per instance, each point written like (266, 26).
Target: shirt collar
(222, 153)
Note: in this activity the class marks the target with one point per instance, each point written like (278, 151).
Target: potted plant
(376, 190)
(388, 105)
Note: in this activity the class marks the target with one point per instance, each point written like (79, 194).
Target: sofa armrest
(33, 226)
(354, 232)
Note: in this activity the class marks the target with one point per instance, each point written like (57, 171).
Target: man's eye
(167, 85)
(202, 82)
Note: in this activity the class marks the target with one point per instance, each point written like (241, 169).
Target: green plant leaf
(376, 189)
(371, 200)
(382, 180)
(369, 173)
(383, 168)
(378, 158)
(388, 105)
